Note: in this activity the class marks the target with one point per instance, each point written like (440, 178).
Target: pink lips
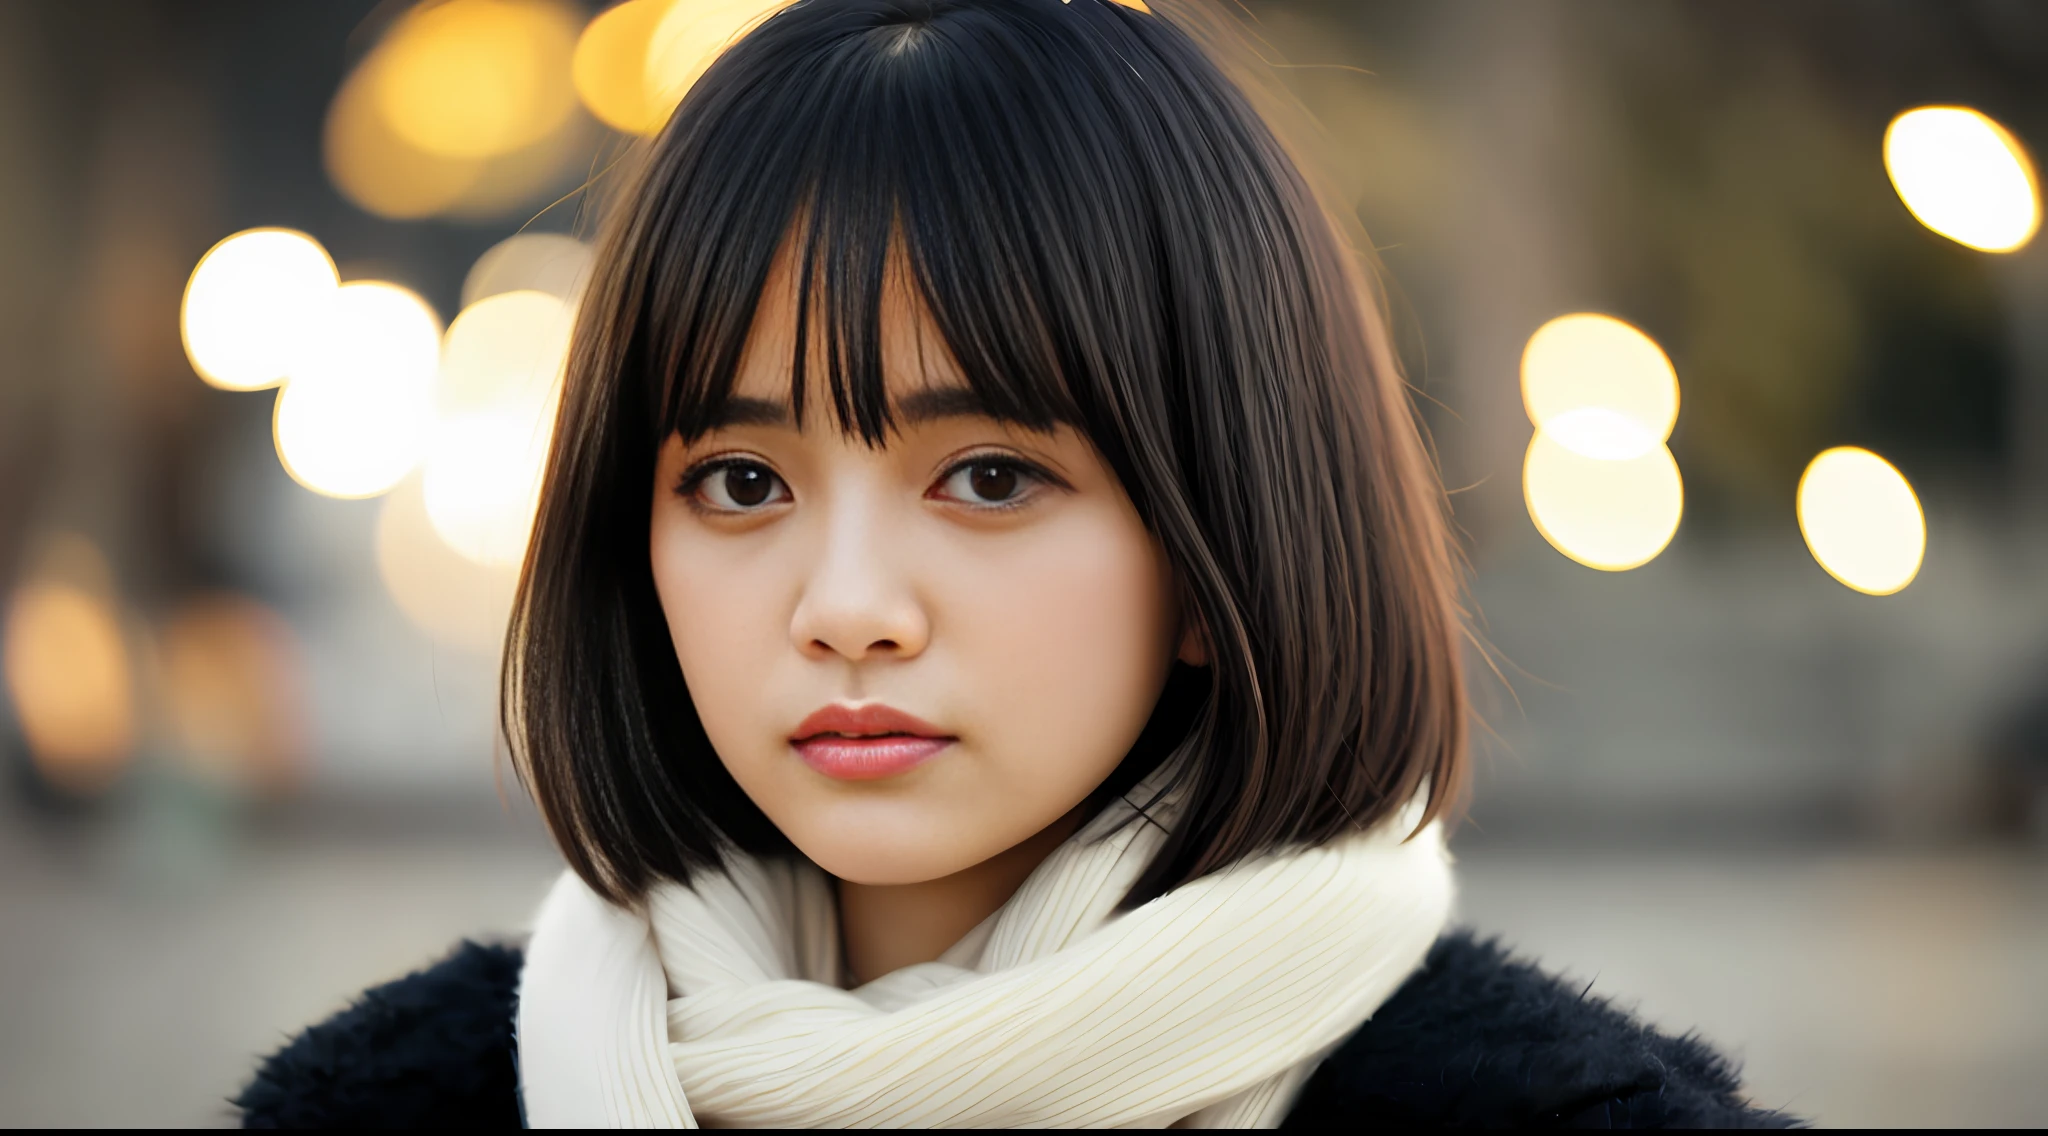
(863, 743)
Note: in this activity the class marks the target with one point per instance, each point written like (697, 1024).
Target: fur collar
(1475, 1038)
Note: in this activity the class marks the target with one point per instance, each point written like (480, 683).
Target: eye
(735, 486)
(991, 482)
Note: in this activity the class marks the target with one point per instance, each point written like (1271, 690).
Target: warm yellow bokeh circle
(1964, 176)
(501, 373)
(250, 304)
(379, 171)
(477, 78)
(1599, 385)
(1599, 482)
(70, 678)
(1607, 514)
(353, 419)
(610, 67)
(1862, 520)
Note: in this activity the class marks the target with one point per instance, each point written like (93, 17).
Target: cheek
(1069, 635)
(717, 597)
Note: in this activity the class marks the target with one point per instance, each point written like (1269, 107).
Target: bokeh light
(477, 78)
(437, 121)
(505, 350)
(1598, 432)
(250, 304)
(690, 35)
(500, 383)
(1599, 386)
(610, 67)
(1599, 482)
(456, 601)
(1607, 514)
(483, 483)
(379, 171)
(1964, 176)
(539, 262)
(353, 418)
(234, 692)
(69, 673)
(1862, 520)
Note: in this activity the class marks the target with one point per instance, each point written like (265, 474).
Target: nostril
(877, 645)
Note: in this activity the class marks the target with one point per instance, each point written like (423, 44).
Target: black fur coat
(1474, 1039)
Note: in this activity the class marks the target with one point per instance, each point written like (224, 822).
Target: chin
(885, 866)
(862, 848)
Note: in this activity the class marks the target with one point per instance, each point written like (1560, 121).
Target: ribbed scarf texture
(720, 1004)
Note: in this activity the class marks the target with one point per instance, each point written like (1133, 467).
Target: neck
(886, 927)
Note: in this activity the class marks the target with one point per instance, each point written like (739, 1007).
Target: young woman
(989, 652)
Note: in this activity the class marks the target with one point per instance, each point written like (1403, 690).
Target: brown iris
(748, 485)
(993, 482)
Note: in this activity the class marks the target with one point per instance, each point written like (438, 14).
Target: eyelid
(999, 456)
(703, 467)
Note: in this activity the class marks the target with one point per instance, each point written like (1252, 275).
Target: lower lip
(866, 759)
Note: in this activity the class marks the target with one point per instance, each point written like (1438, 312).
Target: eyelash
(694, 477)
(1026, 470)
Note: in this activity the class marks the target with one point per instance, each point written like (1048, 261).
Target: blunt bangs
(898, 140)
(1106, 234)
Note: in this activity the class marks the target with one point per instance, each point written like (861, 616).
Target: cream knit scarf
(1206, 1008)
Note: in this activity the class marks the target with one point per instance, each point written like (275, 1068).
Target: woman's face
(915, 656)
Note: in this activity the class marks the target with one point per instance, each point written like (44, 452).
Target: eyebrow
(915, 408)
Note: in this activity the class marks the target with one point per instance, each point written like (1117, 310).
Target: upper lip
(858, 721)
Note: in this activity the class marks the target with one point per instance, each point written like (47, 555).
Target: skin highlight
(991, 581)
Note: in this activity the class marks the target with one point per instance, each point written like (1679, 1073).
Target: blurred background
(1727, 317)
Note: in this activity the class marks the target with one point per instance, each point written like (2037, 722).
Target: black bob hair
(1108, 234)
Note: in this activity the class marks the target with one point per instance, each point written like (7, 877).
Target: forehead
(914, 354)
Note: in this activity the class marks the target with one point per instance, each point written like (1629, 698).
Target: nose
(859, 602)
